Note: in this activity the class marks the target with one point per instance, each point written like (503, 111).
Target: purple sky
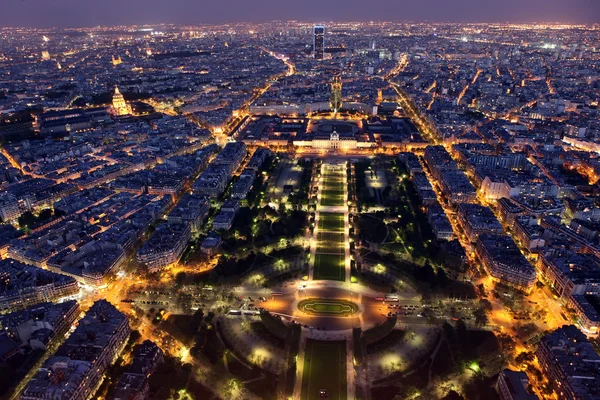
(75, 13)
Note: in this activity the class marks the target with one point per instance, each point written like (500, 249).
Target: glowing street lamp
(474, 367)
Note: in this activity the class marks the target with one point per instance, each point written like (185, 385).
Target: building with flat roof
(319, 42)
(569, 273)
(440, 224)
(133, 384)
(26, 285)
(77, 366)
(476, 219)
(9, 208)
(22, 325)
(570, 363)
(71, 120)
(165, 247)
(513, 385)
(504, 261)
(192, 210)
(585, 307)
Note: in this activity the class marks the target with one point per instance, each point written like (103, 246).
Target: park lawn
(372, 228)
(332, 222)
(324, 369)
(333, 189)
(332, 199)
(333, 181)
(328, 307)
(330, 242)
(330, 266)
(333, 202)
(332, 193)
(337, 181)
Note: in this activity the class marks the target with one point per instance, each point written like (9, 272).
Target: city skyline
(72, 13)
(299, 210)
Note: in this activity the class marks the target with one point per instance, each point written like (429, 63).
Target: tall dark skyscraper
(319, 41)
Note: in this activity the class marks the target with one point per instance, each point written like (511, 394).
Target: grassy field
(329, 266)
(332, 199)
(331, 222)
(332, 193)
(329, 258)
(328, 307)
(324, 369)
(330, 242)
(331, 182)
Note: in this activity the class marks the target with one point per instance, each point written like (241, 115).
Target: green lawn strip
(330, 307)
(324, 369)
(330, 266)
(332, 200)
(332, 222)
(332, 193)
(330, 242)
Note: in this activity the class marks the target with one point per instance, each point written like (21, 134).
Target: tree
(481, 318)
(442, 277)
(429, 274)
(452, 395)
(481, 290)
(486, 305)
(180, 278)
(524, 357)
(461, 327)
(507, 343)
(197, 319)
(171, 375)
(525, 331)
(209, 317)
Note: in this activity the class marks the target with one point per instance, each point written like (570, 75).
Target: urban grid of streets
(334, 245)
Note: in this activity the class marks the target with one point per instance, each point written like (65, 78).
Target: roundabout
(328, 307)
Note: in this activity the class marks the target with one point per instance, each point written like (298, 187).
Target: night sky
(76, 13)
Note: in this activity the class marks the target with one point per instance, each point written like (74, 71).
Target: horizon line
(418, 22)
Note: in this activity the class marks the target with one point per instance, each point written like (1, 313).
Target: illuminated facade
(333, 142)
(119, 105)
(319, 42)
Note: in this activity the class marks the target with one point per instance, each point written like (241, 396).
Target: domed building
(119, 105)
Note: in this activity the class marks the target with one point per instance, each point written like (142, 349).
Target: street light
(474, 367)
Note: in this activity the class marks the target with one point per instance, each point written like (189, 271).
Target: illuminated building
(9, 208)
(165, 246)
(119, 105)
(319, 41)
(335, 99)
(116, 61)
(77, 367)
(504, 261)
(569, 360)
(30, 285)
(334, 135)
(513, 385)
